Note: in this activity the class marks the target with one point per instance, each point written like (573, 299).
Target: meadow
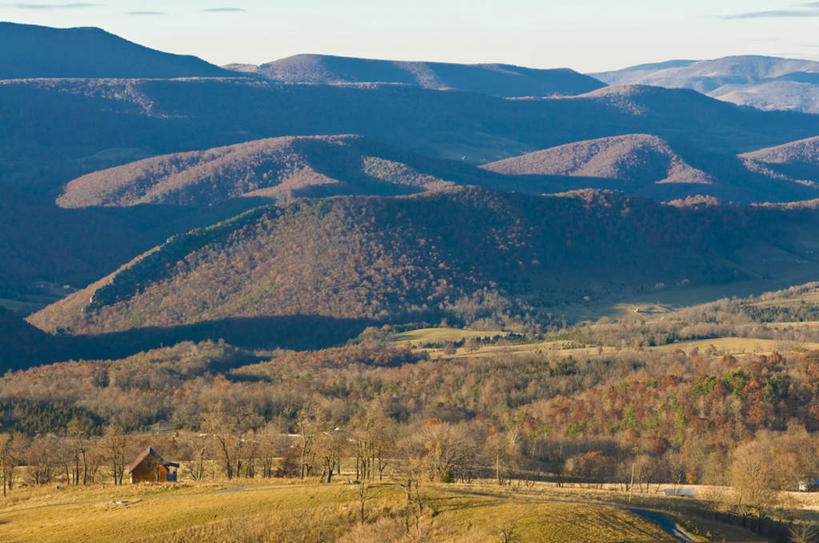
(248, 510)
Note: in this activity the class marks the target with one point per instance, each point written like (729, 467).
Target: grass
(547, 521)
(723, 345)
(129, 516)
(273, 511)
(441, 335)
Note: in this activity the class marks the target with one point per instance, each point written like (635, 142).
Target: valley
(331, 298)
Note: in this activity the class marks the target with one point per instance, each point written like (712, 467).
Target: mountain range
(502, 80)
(316, 166)
(60, 129)
(767, 83)
(150, 197)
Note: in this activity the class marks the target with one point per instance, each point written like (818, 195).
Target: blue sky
(587, 35)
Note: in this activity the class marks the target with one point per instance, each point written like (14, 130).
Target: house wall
(143, 474)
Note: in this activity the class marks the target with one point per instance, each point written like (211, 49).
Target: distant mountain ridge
(31, 51)
(319, 166)
(502, 80)
(56, 130)
(797, 161)
(285, 168)
(766, 83)
(641, 158)
(646, 165)
(68, 122)
(278, 168)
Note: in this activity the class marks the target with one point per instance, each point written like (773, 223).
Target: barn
(149, 467)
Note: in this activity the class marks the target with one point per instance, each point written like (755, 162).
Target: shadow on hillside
(286, 332)
(300, 332)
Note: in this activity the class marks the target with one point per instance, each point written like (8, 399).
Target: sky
(586, 35)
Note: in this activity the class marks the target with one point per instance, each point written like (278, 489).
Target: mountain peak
(32, 51)
(763, 82)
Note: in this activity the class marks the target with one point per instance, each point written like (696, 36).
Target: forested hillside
(645, 165)
(639, 158)
(468, 253)
(278, 168)
(55, 127)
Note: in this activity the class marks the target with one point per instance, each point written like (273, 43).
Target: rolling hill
(30, 51)
(766, 83)
(317, 166)
(279, 168)
(58, 130)
(285, 168)
(494, 79)
(797, 162)
(465, 252)
(637, 158)
(797, 152)
(645, 165)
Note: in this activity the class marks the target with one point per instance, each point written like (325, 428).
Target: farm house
(149, 467)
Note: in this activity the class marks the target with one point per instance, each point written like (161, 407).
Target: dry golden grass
(280, 511)
(725, 345)
(440, 335)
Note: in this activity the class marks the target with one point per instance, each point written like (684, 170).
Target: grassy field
(642, 309)
(306, 512)
(423, 336)
(282, 511)
(725, 345)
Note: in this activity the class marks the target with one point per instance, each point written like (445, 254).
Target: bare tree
(198, 446)
(217, 425)
(330, 446)
(271, 445)
(11, 455)
(77, 432)
(363, 491)
(501, 450)
(409, 468)
(755, 479)
(372, 444)
(448, 449)
(309, 425)
(114, 444)
(96, 457)
(43, 455)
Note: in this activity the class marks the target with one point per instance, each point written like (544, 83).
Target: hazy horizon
(587, 36)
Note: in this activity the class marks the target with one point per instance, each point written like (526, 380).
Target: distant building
(149, 467)
(809, 486)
